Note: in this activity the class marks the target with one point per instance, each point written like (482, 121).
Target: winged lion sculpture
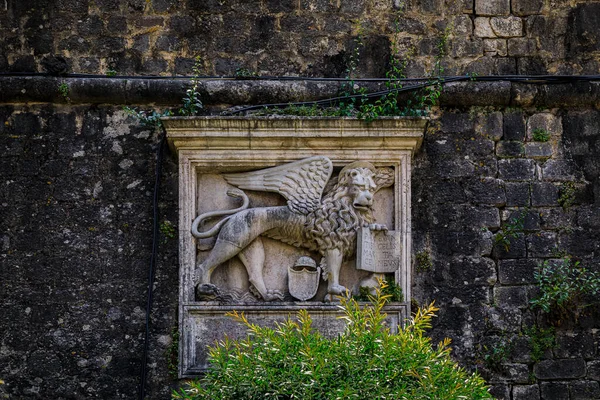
(322, 214)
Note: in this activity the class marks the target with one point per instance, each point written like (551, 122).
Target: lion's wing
(301, 183)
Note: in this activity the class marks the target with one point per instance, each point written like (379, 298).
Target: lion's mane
(335, 223)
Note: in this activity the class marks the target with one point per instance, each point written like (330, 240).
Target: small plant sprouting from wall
(540, 135)
(497, 354)
(566, 288)
(63, 89)
(540, 340)
(192, 103)
(172, 354)
(167, 230)
(566, 196)
(510, 231)
(389, 288)
(423, 261)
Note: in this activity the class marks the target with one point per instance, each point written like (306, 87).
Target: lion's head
(346, 206)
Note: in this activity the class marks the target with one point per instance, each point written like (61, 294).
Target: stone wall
(297, 37)
(76, 213)
(78, 174)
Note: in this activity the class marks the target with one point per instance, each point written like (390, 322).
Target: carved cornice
(276, 133)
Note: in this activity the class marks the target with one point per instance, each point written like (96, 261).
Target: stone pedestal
(213, 152)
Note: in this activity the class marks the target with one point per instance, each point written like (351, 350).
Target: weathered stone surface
(526, 7)
(521, 47)
(544, 194)
(538, 150)
(561, 171)
(517, 194)
(495, 47)
(483, 28)
(541, 244)
(526, 392)
(486, 191)
(593, 370)
(500, 391)
(510, 149)
(517, 272)
(516, 169)
(514, 126)
(585, 390)
(507, 27)
(554, 390)
(575, 344)
(492, 7)
(511, 296)
(560, 369)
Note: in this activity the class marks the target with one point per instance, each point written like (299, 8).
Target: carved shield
(303, 283)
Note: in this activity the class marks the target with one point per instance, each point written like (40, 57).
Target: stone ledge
(223, 93)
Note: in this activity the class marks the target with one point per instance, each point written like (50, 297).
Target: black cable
(512, 78)
(334, 100)
(151, 271)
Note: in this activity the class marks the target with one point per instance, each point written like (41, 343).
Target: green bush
(565, 287)
(367, 361)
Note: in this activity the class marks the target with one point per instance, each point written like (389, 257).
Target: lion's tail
(215, 229)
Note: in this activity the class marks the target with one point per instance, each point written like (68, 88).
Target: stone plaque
(265, 204)
(378, 251)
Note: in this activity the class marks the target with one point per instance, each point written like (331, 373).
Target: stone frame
(207, 143)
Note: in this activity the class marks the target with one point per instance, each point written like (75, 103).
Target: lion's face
(361, 188)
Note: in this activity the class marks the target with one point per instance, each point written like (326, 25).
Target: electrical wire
(151, 271)
(511, 78)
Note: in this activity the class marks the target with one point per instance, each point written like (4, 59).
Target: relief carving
(323, 214)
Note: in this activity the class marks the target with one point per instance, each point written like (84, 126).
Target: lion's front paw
(337, 290)
(273, 295)
(207, 292)
(378, 227)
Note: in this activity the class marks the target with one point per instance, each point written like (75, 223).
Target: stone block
(511, 296)
(467, 48)
(584, 22)
(585, 390)
(582, 123)
(593, 370)
(517, 247)
(510, 149)
(462, 25)
(560, 369)
(538, 150)
(483, 28)
(514, 126)
(521, 47)
(527, 7)
(542, 244)
(546, 121)
(495, 47)
(515, 373)
(486, 191)
(507, 27)
(575, 344)
(588, 217)
(561, 171)
(446, 191)
(517, 194)
(526, 392)
(556, 218)
(516, 169)
(500, 391)
(492, 7)
(473, 270)
(544, 194)
(503, 320)
(554, 390)
(490, 125)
